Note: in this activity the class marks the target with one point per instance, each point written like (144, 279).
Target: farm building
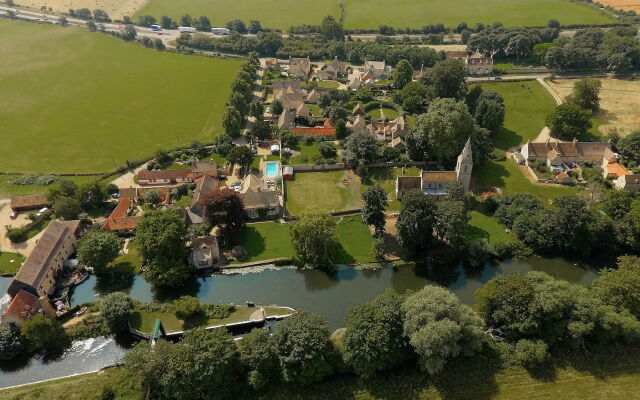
(168, 177)
(27, 203)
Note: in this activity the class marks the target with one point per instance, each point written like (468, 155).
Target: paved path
(126, 180)
(545, 133)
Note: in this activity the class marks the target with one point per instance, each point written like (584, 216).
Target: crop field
(619, 103)
(370, 14)
(75, 101)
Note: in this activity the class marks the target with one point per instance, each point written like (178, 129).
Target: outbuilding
(287, 172)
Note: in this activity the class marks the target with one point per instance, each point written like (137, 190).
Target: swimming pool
(271, 169)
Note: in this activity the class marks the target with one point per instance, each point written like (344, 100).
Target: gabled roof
(122, 223)
(439, 176)
(335, 65)
(34, 201)
(23, 306)
(253, 200)
(204, 167)
(285, 121)
(303, 111)
(165, 174)
(358, 109)
(405, 183)
(314, 131)
(456, 54)
(204, 188)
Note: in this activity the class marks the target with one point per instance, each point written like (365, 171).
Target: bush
(512, 248)
(215, 311)
(115, 310)
(530, 353)
(16, 235)
(186, 306)
(35, 180)
(497, 155)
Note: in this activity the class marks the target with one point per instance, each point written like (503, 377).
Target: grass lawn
(220, 161)
(508, 176)
(132, 257)
(307, 153)
(389, 113)
(485, 226)
(328, 84)
(175, 165)
(323, 190)
(386, 178)
(315, 110)
(355, 239)
(527, 105)
(264, 241)
(10, 262)
(145, 321)
(8, 189)
(615, 375)
(184, 201)
(67, 107)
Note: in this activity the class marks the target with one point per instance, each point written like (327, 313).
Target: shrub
(115, 310)
(16, 235)
(186, 306)
(215, 311)
(512, 248)
(497, 155)
(530, 353)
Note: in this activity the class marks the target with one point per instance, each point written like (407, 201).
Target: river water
(328, 293)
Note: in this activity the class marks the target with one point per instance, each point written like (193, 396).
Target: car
(497, 78)
(269, 110)
(41, 211)
(115, 195)
(13, 215)
(222, 177)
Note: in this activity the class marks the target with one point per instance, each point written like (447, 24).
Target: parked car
(497, 78)
(13, 215)
(41, 211)
(222, 177)
(115, 196)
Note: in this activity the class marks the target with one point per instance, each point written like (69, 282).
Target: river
(322, 292)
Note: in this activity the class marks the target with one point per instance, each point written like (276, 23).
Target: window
(253, 213)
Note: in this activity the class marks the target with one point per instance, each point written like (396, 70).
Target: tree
(303, 348)
(586, 94)
(629, 146)
(314, 237)
(67, 208)
(101, 16)
(62, 21)
(92, 26)
(254, 27)
(202, 23)
(11, 342)
(335, 112)
(255, 110)
(568, 121)
(240, 155)
(46, 334)
(186, 307)
(403, 73)
(451, 222)
(449, 79)
(186, 20)
(445, 129)
(416, 221)
(115, 309)
(225, 208)
(621, 287)
(330, 29)
(232, 122)
(360, 147)
(91, 195)
(373, 212)
(374, 340)
(619, 64)
(363, 94)
(456, 192)
(519, 46)
(129, 33)
(161, 238)
(327, 150)
(440, 327)
(530, 353)
(489, 110)
(553, 23)
(147, 20)
(341, 129)
(98, 249)
(276, 107)
(158, 45)
(258, 355)
(237, 25)
(166, 22)
(261, 129)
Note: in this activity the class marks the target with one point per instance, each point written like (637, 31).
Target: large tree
(232, 122)
(373, 212)
(11, 342)
(314, 237)
(489, 110)
(629, 146)
(416, 221)
(66, 207)
(449, 79)
(240, 155)
(97, 249)
(374, 340)
(161, 236)
(568, 121)
(440, 327)
(258, 355)
(445, 129)
(46, 334)
(621, 287)
(451, 222)
(360, 147)
(403, 73)
(115, 309)
(330, 29)
(586, 94)
(303, 348)
(91, 195)
(225, 208)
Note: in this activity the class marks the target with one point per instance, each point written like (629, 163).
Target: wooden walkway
(254, 263)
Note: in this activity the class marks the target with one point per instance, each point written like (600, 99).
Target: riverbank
(611, 373)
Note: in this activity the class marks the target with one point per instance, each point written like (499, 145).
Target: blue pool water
(271, 169)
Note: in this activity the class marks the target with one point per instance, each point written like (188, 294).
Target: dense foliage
(314, 237)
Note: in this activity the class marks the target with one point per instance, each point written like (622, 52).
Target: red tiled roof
(166, 174)
(314, 131)
(120, 224)
(328, 124)
(121, 209)
(23, 306)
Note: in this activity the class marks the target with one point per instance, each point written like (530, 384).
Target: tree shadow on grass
(342, 256)
(505, 138)
(194, 321)
(251, 239)
(489, 175)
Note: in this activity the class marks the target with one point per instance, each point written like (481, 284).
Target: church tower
(464, 166)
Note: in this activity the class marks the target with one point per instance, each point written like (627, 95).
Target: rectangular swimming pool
(271, 169)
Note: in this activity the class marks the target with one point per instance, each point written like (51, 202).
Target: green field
(75, 101)
(8, 189)
(370, 14)
(322, 190)
(264, 241)
(10, 262)
(389, 113)
(355, 240)
(485, 226)
(527, 105)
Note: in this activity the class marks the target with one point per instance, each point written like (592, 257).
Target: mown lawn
(510, 178)
(389, 113)
(308, 154)
(485, 226)
(386, 178)
(323, 190)
(10, 262)
(145, 321)
(76, 101)
(613, 374)
(132, 257)
(527, 105)
(264, 241)
(355, 241)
